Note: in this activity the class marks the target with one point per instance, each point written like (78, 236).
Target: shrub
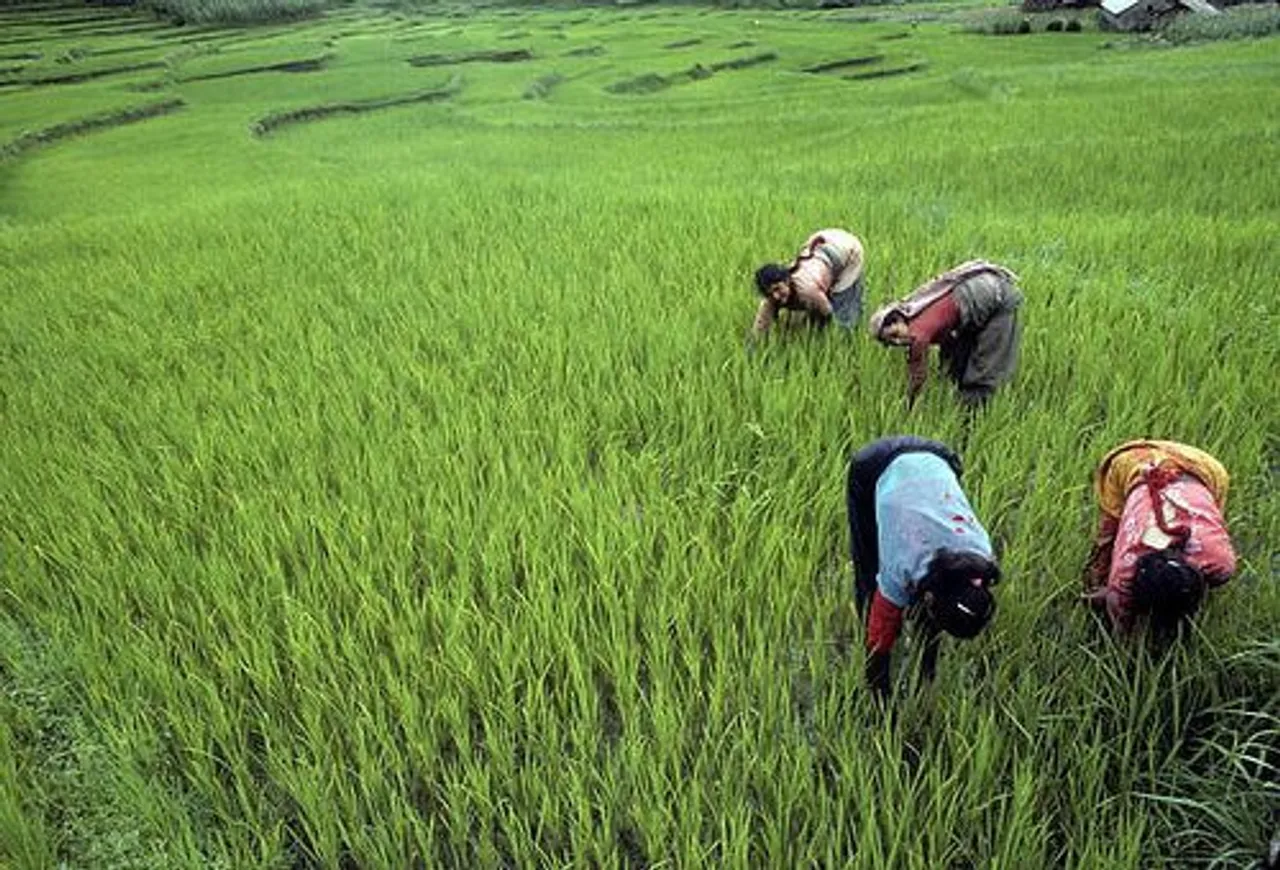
(1001, 22)
(1238, 22)
(234, 11)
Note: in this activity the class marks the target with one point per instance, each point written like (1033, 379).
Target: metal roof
(1117, 7)
(1201, 6)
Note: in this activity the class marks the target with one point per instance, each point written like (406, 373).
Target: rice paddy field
(386, 481)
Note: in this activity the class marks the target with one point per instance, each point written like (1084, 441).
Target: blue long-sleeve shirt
(921, 509)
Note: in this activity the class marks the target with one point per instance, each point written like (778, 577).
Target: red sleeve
(883, 623)
(1120, 608)
(925, 329)
(917, 367)
(1120, 590)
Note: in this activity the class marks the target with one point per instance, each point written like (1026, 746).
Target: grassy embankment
(394, 487)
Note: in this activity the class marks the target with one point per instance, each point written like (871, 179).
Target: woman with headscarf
(1162, 540)
(971, 313)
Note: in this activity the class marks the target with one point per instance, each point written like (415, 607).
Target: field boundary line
(79, 127)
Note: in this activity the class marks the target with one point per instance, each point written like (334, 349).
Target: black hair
(770, 274)
(961, 607)
(1167, 590)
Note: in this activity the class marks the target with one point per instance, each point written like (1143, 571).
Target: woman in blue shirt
(916, 544)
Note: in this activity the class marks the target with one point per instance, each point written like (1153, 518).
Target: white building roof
(1200, 6)
(1117, 7)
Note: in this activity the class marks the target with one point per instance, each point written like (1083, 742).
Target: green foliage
(1232, 772)
(396, 490)
(1234, 22)
(1008, 22)
(235, 11)
(64, 791)
(998, 22)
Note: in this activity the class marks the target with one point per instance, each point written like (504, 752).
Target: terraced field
(386, 482)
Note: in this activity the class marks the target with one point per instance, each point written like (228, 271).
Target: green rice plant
(398, 489)
(978, 84)
(542, 86)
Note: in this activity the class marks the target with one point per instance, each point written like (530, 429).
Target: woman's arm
(917, 369)
(929, 661)
(765, 315)
(1099, 562)
(883, 624)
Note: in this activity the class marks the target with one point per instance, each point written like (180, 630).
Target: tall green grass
(397, 491)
